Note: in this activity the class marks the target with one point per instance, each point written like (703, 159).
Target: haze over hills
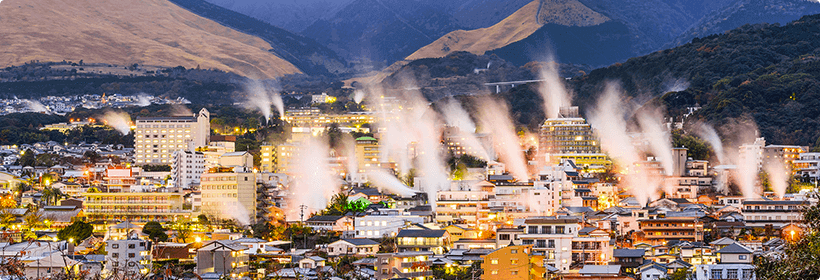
(292, 15)
(150, 32)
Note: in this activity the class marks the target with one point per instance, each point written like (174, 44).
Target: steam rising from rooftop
(650, 119)
(553, 91)
(120, 121)
(494, 117)
(708, 133)
(778, 175)
(314, 182)
(457, 117)
(262, 95)
(388, 182)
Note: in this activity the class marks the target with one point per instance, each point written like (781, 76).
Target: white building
(808, 165)
(565, 243)
(385, 222)
(187, 168)
(127, 257)
(156, 138)
(725, 271)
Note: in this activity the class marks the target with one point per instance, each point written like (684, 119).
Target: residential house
(410, 265)
(518, 262)
(436, 241)
(354, 246)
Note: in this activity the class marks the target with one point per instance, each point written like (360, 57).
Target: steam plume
(120, 121)
(315, 184)
(494, 117)
(143, 100)
(262, 96)
(388, 182)
(708, 133)
(553, 91)
(660, 142)
(778, 175)
(457, 117)
(238, 212)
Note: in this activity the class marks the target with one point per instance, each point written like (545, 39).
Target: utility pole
(302, 212)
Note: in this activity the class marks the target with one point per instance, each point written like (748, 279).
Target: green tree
(155, 231)
(77, 231)
(697, 148)
(27, 159)
(799, 260)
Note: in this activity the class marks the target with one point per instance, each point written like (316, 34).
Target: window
(494, 261)
(513, 261)
(514, 272)
(731, 273)
(748, 273)
(540, 243)
(717, 274)
(504, 236)
(514, 251)
(132, 246)
(115, 246)
(559, 229)
(532, 229)
(742, 257)
(546, 229)
(551, 244)
(115, 255)
(494, 272)
(131, 255)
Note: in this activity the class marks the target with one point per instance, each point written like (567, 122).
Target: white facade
(725, 271)
(808, 165)
(187, 168)
(157, 138)
(387, 222)
(127, 256)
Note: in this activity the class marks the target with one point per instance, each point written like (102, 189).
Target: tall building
(570, 137)
(187, 168)
(229, 193)
(127, 258)
(156, 138)
(267, 155)
(367, 153)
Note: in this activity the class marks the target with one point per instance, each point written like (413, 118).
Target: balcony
(416, 264)
(426, 273)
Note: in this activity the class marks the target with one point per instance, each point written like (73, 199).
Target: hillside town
(184, 203)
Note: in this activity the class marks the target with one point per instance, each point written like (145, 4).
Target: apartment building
(570, 137)
(218, 146)
(658, 231)
(127, 258)
(134, 206)
(409, 265)
(367, 153)
(423, 240)
(566, 243)
(777, 213)
(229, 193)
(186, 168)
(514, 263)
(385, 222)
(807, 165)
(465, 202)
(156, 138)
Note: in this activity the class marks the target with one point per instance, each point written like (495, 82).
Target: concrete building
(234, 159)
(807, 165)
(367, 153)
(566, 243)
(128, 257)
(156, 138)
(409, 265)
(465, 202)
(570, 137)
(385, 222)
(134, 206)
(229, 193)
(777, 213)
(218, 146)
(223, 258)
(267, 158)
(186, 168)
(660, 230)
(436, 241)
(514, 263)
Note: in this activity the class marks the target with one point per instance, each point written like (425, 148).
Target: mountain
(292, 15)
(150, 32)
(309, 56)
(741, 12)
(514, 28)
(766, 72)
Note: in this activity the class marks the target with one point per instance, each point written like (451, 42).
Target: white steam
(238, 212)
(675, 85)
(609, 121)
(120, 121)
(358, 96)
(553, 91)
(778, 175)
(261, 96)
(494, 117)
(36, 106)
(386, 181)
(143, 100)
(708, 133)
(457, 117)
(660, 141)
(314, 182)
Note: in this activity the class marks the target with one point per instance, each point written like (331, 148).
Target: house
(50, 265)
(628, 259)
(735, 253)
(436, 241)
(222, 257)
(331, 223)
(384, 222)
(128, 257)
(507, 236)
(354, 246)
(471, 243)
(410, 265)
(312, 262)
(600, 271)
(652, 271)
(724, 271)
(514, 263)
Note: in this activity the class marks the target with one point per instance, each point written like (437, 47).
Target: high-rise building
(570, 137)
(187, 168)
(367, 153)
(267, 155)
(156, 138)
(229, 193)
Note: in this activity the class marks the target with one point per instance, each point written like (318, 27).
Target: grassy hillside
(147, 32)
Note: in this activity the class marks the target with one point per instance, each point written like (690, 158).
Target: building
(354, 247)
(777, 213)
(724, 271)
(313, 117)
(409, 265)
(660, 230)
(224, 258)
(513, 263)
(566, 243)
(186, 168)
(437, 241)
(267, 158)
(233, 159)
(282, 157)
(229, 193)
(628, 259)
(735, 253)
(330, 223)
(386, 222)
(218, 146)
(570, 137)
(465, 202)
(128, 257)
(156, 138)
(134, 206)
(367, 153)
(119, 179)
(807, 165)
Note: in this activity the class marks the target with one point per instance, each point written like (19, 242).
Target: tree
(155, 231)
(27, 159)
(76, 232)
(92, 156)
(799, 258)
